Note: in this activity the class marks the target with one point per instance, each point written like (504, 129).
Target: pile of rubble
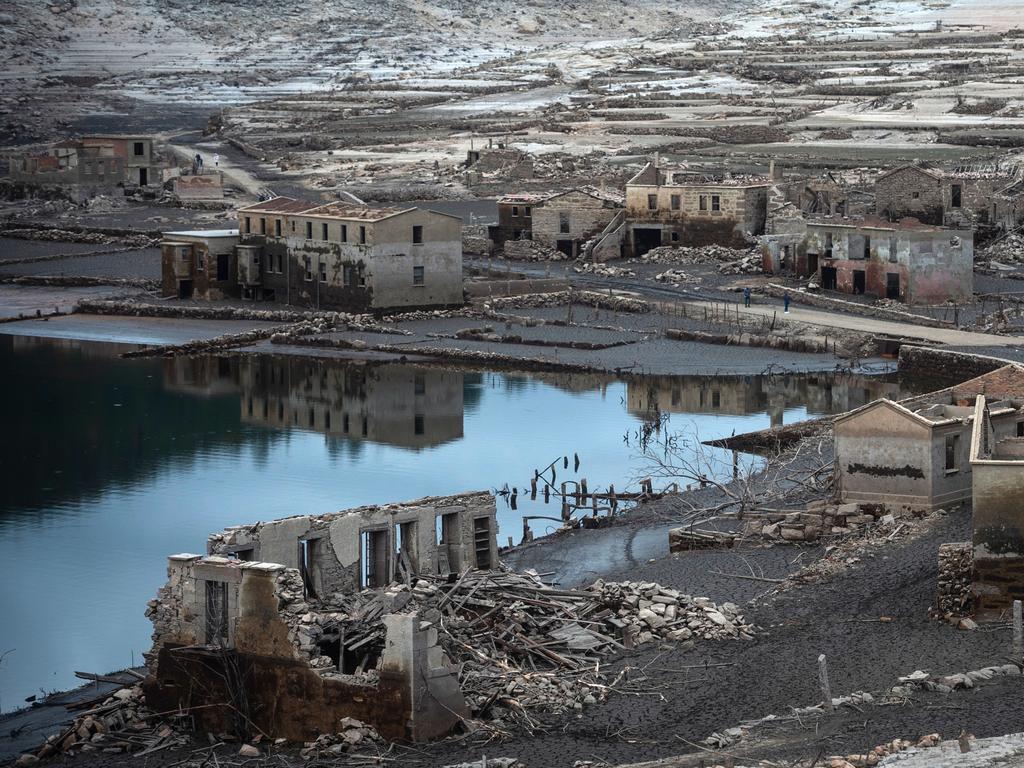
(352, 734)
(817, 520)
(71, 236)
(528, 250)
(748, 264)
(956, 561)
(519, 644)
(676, 277)
(562, 298)
(602, 270)
(707, 254)
(121, 723)
(1003, 255)
(880, 752)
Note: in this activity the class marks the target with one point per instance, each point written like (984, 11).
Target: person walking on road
(216, 161)
(785, 303)
(746, 296)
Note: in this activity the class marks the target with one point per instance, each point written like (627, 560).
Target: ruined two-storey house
(332, 255)
(680, 207)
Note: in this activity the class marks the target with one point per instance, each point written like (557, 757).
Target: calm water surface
(109, 465)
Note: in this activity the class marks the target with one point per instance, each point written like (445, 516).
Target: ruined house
(264, 631)
(371, 546)
(350, 257)
(200, 264)
(907, 260)
(914, 454)
(574, 222)
(93, 165)
(680, 207)
(515, 219)
(964, 197)
(997, 463)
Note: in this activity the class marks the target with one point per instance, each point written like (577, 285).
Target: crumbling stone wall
(263, 668)
(585, 214)
(955, 568)
(910, 191)
(329, 546)
(946, 364)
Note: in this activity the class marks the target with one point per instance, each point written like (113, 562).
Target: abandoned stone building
(333, 255)
(908, 261)
(515, 219)
(997, 463)
(93, 165)
(351, 257)
(370, 547)
(579, 220)
(679, 207)
(236, 639)
(200, 264)
(915, 454)
(403, 405)
(964, 197)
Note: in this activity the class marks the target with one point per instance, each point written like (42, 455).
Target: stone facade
(353, 258)
(907, 261)
(997, 460)
(916, 457)
(233, 645)
(371, 546)
(665, 207)
(515, 219)
(199, 264)
(963, 198)
(568, 220)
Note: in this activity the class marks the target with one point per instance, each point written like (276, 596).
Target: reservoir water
(109, 465)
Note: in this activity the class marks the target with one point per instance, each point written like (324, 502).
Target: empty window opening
(1020, 429)
(344, 233)
(867, 247)
(362, 235)
(716, 203)
(248, 225)
(828, 245)
(482, 542)
(309, 230)
(716, 398)
(952, 453)
(419, 384)
(676, 202)
(139, 149)
(366, 426)
(344, 423)
(309, 268)
(527, 212)
(955, 195)
(418, 424)
(563, 222)
(675, 237)
(702, 202)
(892, 250)
(327, 420)
(277, 227)
(324, 231)
(323, 271)
(217, 613)
(263, 226)
(417, 275)
(515, 210)
(652, 202)
(417, 234)
(374, 559)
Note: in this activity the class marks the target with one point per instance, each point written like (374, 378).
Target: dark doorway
(143, 176)
(859, 281)
(644, 239)
(812, 264)
(828, 278)
(892, 285)
(184, 289)
(565, 246)
(223, 266)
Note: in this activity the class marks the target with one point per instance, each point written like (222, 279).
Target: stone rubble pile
(676, 277)
(1003, 255)
(615, 303)
(70, 236)
(706, 254)
(819, 519)
(602, 270)
(748, 264)
(352, 734)
(956, 561)
(924, 681)
(529, 250)
(520, 645)
(121, 723)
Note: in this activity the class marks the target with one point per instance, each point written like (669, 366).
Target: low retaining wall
(828, 302)
(515, 287)
(756, 340)
(945, 364)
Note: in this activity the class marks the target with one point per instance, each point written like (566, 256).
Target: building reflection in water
(396, 404)
(740, 395)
